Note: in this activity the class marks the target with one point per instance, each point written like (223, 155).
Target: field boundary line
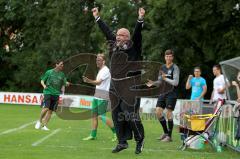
(46, 137)
(17, 129)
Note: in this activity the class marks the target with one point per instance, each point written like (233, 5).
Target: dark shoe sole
(116, 150)
(140, 151)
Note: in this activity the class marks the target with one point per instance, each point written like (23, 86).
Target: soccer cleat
(114, 138)
(45, 128)
(162, 137)
(38, 125)
(139, 146)
(89, 138)
(167, 139)
(119, 148)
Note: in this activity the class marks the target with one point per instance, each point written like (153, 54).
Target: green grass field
(19, 139)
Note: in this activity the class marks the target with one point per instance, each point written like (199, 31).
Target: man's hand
(95, 12)
(221, 90)
(163, 75)
(198, 99)
(149, 83)
(68, 84)
(234, 83)
(85, 79)
(238, 100)
(210, 101)
(44, 86)
(141, 13)
(190, 77)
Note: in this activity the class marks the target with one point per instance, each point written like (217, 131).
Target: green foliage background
(202, 33)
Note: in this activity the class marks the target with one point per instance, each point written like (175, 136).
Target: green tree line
(35, 32)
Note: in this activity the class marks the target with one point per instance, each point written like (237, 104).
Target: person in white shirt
(237, 85)
(219, 85)
(100, 102)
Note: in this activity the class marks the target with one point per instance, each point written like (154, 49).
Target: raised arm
(137, 35)
(105, 29)
(188, 83)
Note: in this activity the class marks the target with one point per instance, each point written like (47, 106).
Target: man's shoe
(162, 136)
(114, 138)
(167, 139)
(38, 125)
(119, 148)
(45, 128)
(89, 138)
(139, 146)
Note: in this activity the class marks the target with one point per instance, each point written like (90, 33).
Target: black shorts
(50, 102)
(166, 102)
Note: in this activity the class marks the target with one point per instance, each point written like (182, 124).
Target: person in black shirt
(169, 72)
(125, 116)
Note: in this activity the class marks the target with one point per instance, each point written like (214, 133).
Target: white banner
(148, 105)
(78, 101)
(21, 98)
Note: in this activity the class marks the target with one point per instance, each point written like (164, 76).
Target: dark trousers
(126, 120)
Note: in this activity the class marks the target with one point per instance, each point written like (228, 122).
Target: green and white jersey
(54, 81)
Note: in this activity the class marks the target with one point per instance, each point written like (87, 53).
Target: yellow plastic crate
(197, 122)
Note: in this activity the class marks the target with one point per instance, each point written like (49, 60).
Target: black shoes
(119, 148)
(139, 146)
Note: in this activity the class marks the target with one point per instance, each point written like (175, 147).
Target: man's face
(122, 36)
(197, 72)
(216, 71)
(100, 61)
(169, 58)
(59, 66)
